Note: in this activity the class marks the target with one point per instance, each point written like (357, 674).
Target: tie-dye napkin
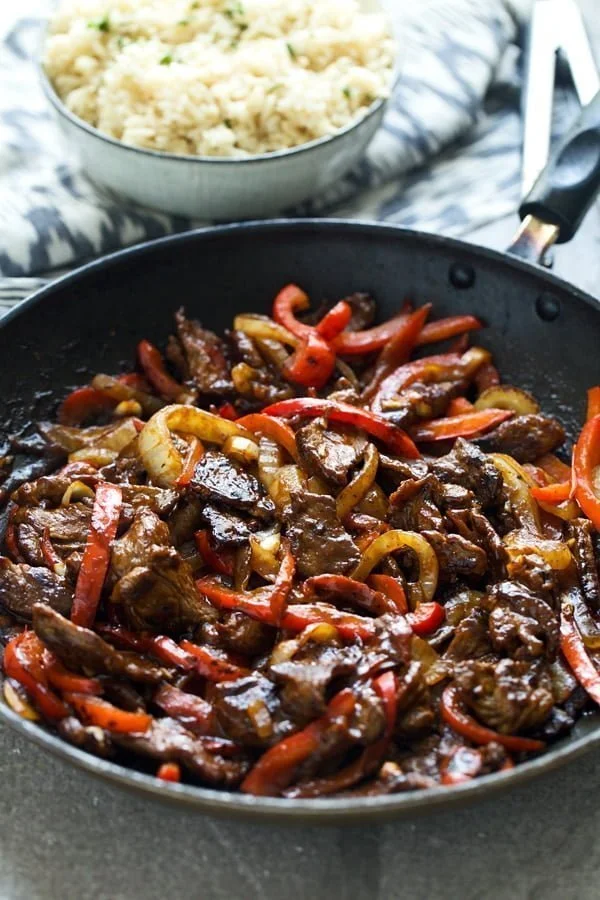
(446, 158)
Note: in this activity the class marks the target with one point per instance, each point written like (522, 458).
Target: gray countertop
(66, 835)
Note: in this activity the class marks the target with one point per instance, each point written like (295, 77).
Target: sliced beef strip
(522, 624)
(508, 696)
(84, 651)
(533, 572)
(49, 489)
(90, 738)
(329, 452)
(155, 584)
(422, 401)
(202, 355)
(239, 633)
(319, 541)
(399, 470)
(144, 496)
(228, 529)
(22, 586)
(471, 639)
(413, 505)
(525, 438)
(67, 528)
(169, 741)
(363, 308)
(217, 479)
(249, 711)
(185, 520)
(581, 531)
(305, 678)
(478, 529)
(458, 558)
(468, 466)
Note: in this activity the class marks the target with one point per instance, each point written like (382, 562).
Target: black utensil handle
(567, 187)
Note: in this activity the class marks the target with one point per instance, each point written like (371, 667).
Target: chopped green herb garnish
(228, 123)
(274, 87)
(370, 98)
(243, 27)
(166, 60)
(184, 22)
(347, 92)
(233, 10)
(291, 51)
(234, 44)
(102, 24)
(195, 5)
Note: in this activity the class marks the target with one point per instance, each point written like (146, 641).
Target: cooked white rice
(218, 77)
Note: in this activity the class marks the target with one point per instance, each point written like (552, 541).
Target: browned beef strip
(49, 489)
(241, 634)
(508, 696)
(319, 541)
(537, 575)
(217, 479)
(476, 527)
(458, 558)
(399, 470)
(185, 520)
(87, 737)
(466, 465)
(227, 528)
(67, 528)
(145, 496)
(84, 651)
(329, 452)
(422, 401)
(522, 625)
(471, 639)
(204, 355)
(155, 584)
(168, 740)
(246, 349)
(363, 308)
(249, 711)
(413, 505)
(22, 586)
(581, 531)
(305, 678)
(526, 438)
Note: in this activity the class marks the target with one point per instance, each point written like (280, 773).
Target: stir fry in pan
(313, 557)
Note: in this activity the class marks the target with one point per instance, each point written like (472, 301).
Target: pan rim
(325, 810)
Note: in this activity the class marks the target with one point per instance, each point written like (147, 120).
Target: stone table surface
(66, 835)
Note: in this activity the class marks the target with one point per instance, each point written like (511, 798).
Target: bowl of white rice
(219, 109)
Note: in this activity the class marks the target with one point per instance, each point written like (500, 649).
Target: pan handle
(564, 191)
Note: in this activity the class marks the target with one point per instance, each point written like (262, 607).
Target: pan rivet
(462, 276)
(547, 307)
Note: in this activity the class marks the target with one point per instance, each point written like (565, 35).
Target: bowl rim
(327, 810)
(378, 106)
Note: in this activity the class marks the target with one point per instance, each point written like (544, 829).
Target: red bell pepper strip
(195, 713)
(278, 431)
(392, 588)
(462, 765)
(552, 493)
(311, 364)
(169, 771)
(447, 328)
(227, 411)
(288, 300)
(82, 404)
(465, 425)
(349, 592)
(152, 363)
(219, 561)
(135, 381)
(10, 537)
(194, 454)
(23, 661)
(279, 593)
(63, 680)
(373, 424)
(454, 715)
(426, 618)
(593, 402)
(95, 711)
(417, 370)
(386, 687)
(586, 458)
(334, 322)
(353, 343)
(96, 556)
(296, 617)
(212, 666)
(161, 647)
(276, 768)
(460, 405)
(576, 654)
(397, 351)
(51, 557)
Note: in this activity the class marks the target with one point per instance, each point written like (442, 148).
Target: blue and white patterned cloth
(446, 159)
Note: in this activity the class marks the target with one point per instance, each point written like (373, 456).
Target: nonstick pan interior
(543, 333)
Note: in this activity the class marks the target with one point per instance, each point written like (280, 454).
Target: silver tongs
(556, 25)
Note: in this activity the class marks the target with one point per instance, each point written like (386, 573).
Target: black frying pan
(544, 334)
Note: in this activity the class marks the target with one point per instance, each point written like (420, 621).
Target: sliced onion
(555, 553)
(157, 449)
(94, 456)
(273, 351)
(290, 479)
(264, 328)
(242, 449)
(517, 483)
(505, 396)
(121, 392)
(354, 492)
(394, 540)
(263, 555)
(77, 490)
(14, 696)
(270, 460)
(128, 408)
(567, 510)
